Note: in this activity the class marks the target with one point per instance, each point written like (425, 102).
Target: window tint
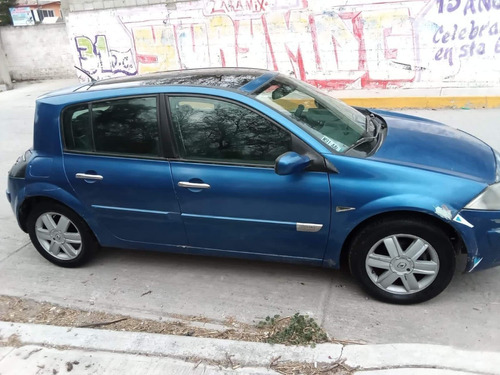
(123, 126)
(126, 126)
(76, 128)
(209, 129)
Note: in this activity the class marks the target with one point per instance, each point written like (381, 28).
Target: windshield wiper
(365, 138)
(370, 120)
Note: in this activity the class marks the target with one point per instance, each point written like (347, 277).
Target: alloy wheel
(58, 236)
(402, 264)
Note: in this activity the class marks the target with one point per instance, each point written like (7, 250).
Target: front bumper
(482, 240)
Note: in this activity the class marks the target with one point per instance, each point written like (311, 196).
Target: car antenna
(92, 79)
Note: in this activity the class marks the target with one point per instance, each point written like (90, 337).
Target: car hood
(426, 144)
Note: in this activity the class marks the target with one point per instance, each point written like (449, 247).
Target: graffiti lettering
(258, 42)
(95, 57)
(235, 6)
(469, 6)
(347, 46)
(473, 32)
(249, 7)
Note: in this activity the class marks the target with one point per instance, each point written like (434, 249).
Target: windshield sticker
(330, 142)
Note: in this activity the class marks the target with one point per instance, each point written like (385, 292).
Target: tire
(402, 261)
(67, 243)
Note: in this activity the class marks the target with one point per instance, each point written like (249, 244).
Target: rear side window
(123, 126)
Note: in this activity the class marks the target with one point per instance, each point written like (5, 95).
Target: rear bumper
(15, 193)
(482, 240)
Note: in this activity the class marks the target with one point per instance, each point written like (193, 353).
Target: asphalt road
(466, 315)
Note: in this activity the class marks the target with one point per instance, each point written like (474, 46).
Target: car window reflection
(124, 126)
(211, 129)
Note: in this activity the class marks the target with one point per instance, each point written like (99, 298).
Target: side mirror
(291, 162)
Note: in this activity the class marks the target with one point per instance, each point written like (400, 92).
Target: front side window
(126, 126)
(216, 130)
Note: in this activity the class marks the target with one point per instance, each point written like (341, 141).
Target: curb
(426, 102)
(377, 358)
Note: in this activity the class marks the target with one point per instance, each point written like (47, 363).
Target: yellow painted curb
(427, 102)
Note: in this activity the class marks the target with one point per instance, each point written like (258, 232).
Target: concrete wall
(332, 44)
(5, 81)
(79, 5)
(38, 52)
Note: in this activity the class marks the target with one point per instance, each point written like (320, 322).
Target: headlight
(489, 199)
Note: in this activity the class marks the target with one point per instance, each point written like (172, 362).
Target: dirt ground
(24, 310)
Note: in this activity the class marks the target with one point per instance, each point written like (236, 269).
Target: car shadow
(155, 260)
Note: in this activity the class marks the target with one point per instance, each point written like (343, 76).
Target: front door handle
(193, 185)
(86, 176)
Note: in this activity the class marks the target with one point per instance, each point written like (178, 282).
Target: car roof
(226, 78)
(244, 80)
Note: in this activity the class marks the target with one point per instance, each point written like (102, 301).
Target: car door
(114, 162)
(230, 197)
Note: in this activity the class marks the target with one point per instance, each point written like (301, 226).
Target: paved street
(465, 315)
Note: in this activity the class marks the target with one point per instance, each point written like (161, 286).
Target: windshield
(333, 122)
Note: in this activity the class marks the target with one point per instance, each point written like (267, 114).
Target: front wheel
(60, 235)
(402, 261)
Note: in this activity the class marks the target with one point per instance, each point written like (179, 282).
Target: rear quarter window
(76, 128)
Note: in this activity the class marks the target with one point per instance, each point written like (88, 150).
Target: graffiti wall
(333, 44)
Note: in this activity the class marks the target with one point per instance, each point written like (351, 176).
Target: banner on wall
(22, 16)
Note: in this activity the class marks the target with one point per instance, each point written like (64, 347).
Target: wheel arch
(452, 233)
(36, 193)
(31, 202)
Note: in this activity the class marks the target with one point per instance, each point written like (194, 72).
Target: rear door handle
(86, 176)
(193, 185)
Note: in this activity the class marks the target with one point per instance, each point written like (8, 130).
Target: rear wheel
(402, 261)
(60, 235)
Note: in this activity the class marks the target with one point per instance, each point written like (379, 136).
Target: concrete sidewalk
(42, 349)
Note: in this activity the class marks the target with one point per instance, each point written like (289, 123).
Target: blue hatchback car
(252, 164)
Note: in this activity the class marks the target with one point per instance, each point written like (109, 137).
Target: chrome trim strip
(287, 223)
(130, 210)
(308, 227)
(299, 227)
(86, 176)
(193, 185)
(344, 209)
